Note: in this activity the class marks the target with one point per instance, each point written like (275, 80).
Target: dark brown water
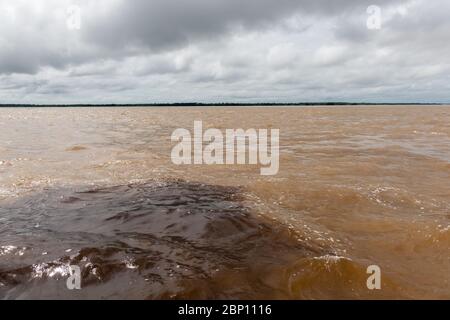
(96, 188)
(157, 240)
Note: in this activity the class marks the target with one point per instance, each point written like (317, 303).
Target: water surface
(95, 187)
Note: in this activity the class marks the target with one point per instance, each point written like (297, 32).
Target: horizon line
(237, 104)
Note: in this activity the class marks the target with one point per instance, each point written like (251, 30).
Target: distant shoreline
(196, 104)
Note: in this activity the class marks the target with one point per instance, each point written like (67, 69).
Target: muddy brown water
(95, 187)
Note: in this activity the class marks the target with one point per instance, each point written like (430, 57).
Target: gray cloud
(165, 24)
(211, 50)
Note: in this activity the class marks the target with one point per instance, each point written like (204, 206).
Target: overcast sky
(138, 51)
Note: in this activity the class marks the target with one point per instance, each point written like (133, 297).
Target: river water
(96, 188)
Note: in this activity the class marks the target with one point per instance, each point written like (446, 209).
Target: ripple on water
(169, 239)
(157, 234)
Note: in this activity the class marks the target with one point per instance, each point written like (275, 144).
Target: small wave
(12, 250)
(76, 148)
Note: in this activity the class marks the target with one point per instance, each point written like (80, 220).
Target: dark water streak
(155, 240)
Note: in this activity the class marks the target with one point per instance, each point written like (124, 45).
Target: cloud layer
(223, 50)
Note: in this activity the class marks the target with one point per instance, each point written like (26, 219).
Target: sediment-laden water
(95, 187)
